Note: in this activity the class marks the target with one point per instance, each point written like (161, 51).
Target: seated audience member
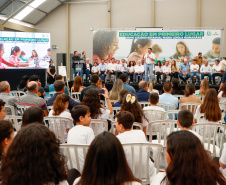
(131, 70)
(210, 107)
(3, 112)
(32, 98)
(142, 94)
(139, 70)
(184, 71)
(102, 70)
(59, 110)
(222, 160)
(206, 71)
(189, 96)
(131, 89)
(151, 86)
(166, 71)
(185, 150)
(131, 104)
(106, 152)
(199, 59)
(222, 96)
(31, 115)
(23, 84)
(81, 133)
(216, 69)
(112, 69)
(167, 97)
(122, 68)
(37, 161)
(124, 125)
(94, 82)
(158, 71)
(223, 80)
(204, 87)
(95, 68)
(87, 68)
(52, 89)
(194, 69)
(176, 88)
(77, 85)
(121, 96)
(116, 89)
(59, 86)
(174, 70)
(41, 93)
(6, 97)
(185, 122)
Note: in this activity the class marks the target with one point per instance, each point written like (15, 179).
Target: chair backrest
(223, 107)
(75, 155)
(153, 115)
(172, 114)
(10, 110)
(178, 96)
(144, 103)
(167, 106)
(189, 106)
(59, 126)
(21, 109)
(16, 120)
(135, 126)
(51, 94)
(138, 157)
(49, 108)
(213, 136)
(98, 126)
(17, 93)
(76, 96)
(115, 111)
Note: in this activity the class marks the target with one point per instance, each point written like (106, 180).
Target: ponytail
(15, 49)
(59, 104)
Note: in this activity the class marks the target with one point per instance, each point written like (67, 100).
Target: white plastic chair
(171, 114)
(115, 111)
(75, 155)
(202, 115)
(135, 125)
(51, 94)
(178, 96)
(138, 157)
(144, 103)
(167, 106)
(213, 136)
(21, 109)
(189, 106)
(76, 96)
(98, 126)
(10, 110)
(16, 120)
(49, 108)
(17, 93)
(59, 126)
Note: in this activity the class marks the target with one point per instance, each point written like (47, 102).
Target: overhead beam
(5, 5)
(34, 8)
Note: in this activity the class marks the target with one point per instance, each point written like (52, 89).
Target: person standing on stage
(83, 56)
(76, 58)
(199, 59)
(149, 63)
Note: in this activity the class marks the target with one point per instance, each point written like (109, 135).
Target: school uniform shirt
(223, 159)
(102, 67)
(217, 68)
(158, 69)
(194, 68)
(166, 69)
(139, 68)
(148, 60)
(131, 69)
(112, 67)
(95, 69)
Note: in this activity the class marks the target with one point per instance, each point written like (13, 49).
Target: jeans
(102, 75)
(197, 76)
(135, 76)
(209, 75)
(186, 77)
(148, 67)
(216, 74)
(87, 73)
(80, 73)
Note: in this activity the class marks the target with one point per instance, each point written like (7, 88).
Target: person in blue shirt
(143, 94)
(52, 89)
(167, 97)
(122, 69)
(122, 93)
(184, 71)
(102, 70)
(123, 77)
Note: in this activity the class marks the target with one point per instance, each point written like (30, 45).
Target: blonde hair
(151, 85)
(204, 86)
(99, 83)
(116, 89)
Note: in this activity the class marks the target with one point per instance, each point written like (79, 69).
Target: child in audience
(34, 157)
(31, 115)
(222, 160)
(95, 69)
(185, 122)
(106, 163)
(121, 97)
(188, 163)
(124, 124)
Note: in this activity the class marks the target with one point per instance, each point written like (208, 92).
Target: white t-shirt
(217, 68)
(223, 159)
(87, 66)
(157, 68)
(139, 68)
(153, 91)
(196, 134)
(131, 69)
(148, 60)
(95, 69)
(127, 183)
(222, 99)
(113, 67)
(194, 68)
(66, 125)
(166, 69)
(159, 177)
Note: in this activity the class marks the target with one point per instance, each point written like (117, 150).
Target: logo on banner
(209, 33)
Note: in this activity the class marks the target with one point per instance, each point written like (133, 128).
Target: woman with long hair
(23, 83)
(131, 104)
(116, 89)
(188, 163)
(51, 72)
(158, 71)
(204, 87)
(14, 58)
(2, 60)
(35, 58)
(174, 70)
(77, 85)
(151, 86)
(34, 157)
(131, 69)
(106, 163)
(210, 107)
(176, 88)
(59, 110)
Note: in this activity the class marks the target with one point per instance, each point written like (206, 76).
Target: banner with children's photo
(24, 49)
(132, 45)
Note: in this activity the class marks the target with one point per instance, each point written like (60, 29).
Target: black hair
(94, 78)
(23, 82)
(31, 115)
(123, 77)
(15, 49)
(34, 78)
(79, 110)
(125, 118)
(185, 118)
(2, 103)
(142, 42)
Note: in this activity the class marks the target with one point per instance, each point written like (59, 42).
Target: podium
(78, 69)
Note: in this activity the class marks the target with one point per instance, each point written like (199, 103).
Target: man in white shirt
(95, 69)
(206, 71)
(112, 69)
(216, 70)
(194, 69)
(149, 59)
(166, 70)
(122, 68)
(87, 68)
(139, 70)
